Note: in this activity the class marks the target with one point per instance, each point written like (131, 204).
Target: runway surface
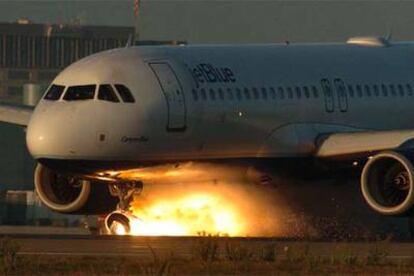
(186, 247)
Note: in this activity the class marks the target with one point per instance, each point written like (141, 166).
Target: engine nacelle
(387, 183)
(70, 195)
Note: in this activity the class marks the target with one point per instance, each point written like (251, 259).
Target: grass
(210, 256)
(8, 255)
(48, 265)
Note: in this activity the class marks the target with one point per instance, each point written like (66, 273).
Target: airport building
(35, 53)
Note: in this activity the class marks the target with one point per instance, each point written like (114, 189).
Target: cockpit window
(54, 92)
(107, 93)
(125, 93)
(81, 92)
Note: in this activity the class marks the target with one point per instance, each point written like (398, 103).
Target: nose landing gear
(119, 221)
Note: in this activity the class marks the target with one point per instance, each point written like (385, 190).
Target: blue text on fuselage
(208, 73)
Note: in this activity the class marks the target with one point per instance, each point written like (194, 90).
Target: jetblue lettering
(207, 73)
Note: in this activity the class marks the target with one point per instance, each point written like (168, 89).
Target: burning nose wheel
(119, 223)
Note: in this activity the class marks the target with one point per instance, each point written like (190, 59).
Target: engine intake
(71, 195)
(387, 183)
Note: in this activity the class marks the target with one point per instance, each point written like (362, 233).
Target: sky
(230, 21)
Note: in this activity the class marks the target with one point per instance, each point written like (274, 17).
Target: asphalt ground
(186, 247)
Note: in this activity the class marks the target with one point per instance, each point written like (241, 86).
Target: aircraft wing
(14, 114)
(360, 143)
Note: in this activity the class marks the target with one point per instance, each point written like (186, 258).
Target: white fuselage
(199, 102)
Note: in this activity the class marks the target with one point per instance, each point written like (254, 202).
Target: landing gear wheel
(119, 221)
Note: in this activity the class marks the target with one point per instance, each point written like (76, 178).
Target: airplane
(153, 108)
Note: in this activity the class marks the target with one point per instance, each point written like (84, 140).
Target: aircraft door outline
(174, 95)
(328, 95)
(342, 95)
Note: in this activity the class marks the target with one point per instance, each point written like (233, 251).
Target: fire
(119, 229)
(187, 215)
(193, 198)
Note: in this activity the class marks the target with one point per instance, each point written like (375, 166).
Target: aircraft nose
(49, 133)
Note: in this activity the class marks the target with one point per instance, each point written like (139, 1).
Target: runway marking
(82, 254)
(144, 254)
(142, 247)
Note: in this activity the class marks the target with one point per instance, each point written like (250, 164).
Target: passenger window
(54, 92)
(359, 90)
(247, 93)
(195, 95)
(315, 92)
(281, 93)
(306, 92)
(81, 92)
(290, 92)
(376, 90)
(393, 92)
(264, 93)
(125, 93)
(203, 94)
(367, 91)
(401, 90)
(212, 95)
(107, 93)
(238, 94)
(256, 93)
(272, 93)
(409, 90)
(351, 91)
(384, 90)
(230, 96)
(298, 92)
(221, 94)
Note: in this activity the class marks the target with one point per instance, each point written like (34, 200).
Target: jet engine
(71, 195)
(387, 183)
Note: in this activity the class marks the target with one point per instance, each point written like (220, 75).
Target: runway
(186, 247)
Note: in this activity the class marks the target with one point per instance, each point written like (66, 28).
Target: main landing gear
(119, 221)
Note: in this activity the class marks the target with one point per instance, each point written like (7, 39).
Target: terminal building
(35, 53)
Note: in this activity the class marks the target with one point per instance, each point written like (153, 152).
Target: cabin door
(328, 95)
(342, 95)
(174, 95)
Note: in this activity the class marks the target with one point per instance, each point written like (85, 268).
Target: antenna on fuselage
(388, 37)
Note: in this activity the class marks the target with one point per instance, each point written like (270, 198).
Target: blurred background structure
(35, 53)
(228, 21)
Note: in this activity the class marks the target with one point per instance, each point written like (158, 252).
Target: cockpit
(104, 92)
